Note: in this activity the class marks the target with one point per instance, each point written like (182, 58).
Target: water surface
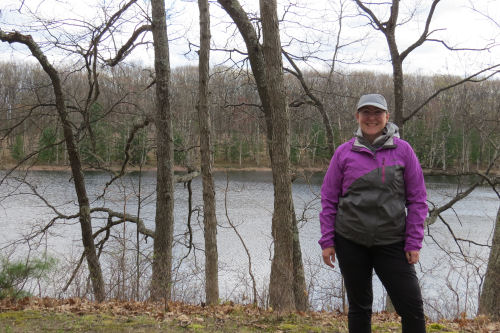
(450, 283)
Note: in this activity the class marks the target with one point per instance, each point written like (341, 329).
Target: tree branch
(425, 33)
(131, 136)
(128, 46)
(451, 48)
(123, 218)
(434, 213)
(372, 16)
(467, 79)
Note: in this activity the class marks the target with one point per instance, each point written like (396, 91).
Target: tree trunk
(83, 203)
(164, 220)
(285, 277)
(209, 216)
(299, 280)
(281, 284)
(74, 159)
(398, 95)
(489, 301)
(398, 81)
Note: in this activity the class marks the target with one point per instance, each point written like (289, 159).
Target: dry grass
(80, 315)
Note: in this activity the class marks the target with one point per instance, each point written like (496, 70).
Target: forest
(456, 131)
(283, 97)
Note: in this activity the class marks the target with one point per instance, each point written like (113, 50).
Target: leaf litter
(231, 316)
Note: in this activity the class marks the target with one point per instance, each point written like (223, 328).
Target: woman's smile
(372, 121)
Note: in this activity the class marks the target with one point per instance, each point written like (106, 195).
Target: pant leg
(400, 280)
(356, 267)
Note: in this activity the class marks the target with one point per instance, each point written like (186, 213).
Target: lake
(450, 283)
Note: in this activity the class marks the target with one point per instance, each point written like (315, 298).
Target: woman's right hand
(329, 256)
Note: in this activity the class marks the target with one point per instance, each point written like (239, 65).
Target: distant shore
(153, 168)
(427, 172)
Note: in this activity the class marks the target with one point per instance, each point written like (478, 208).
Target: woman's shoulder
(402, 143)
(342, 150)
(346, 145)
(404, 148)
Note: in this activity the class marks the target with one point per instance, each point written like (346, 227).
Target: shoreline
(153, 168)
(427, 172)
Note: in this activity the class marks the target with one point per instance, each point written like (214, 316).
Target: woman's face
(372, 121)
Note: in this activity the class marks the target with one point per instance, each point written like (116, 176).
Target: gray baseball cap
(376, 100)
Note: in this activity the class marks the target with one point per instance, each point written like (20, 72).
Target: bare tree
(388, 28)
(74, 158)
(489, 302)
(164, 220)
(280, 291)
(287, 286)
(209, 217)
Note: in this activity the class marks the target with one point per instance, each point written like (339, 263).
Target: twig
(254, 285)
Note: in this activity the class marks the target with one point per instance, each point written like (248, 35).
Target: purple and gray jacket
(374, 197)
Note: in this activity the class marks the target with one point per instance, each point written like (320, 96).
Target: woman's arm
(330, 193)
(416, 202)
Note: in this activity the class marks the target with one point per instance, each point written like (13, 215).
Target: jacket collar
(384, 141)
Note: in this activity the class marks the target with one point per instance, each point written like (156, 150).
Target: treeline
(456, 130)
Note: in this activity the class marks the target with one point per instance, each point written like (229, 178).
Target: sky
(308, 28)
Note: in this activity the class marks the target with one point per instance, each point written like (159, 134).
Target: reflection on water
(444, 274)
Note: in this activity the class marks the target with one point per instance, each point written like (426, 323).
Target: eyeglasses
(367, 113)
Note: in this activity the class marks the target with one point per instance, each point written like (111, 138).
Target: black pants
(397, 275)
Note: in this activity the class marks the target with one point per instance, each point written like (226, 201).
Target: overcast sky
(314, 23)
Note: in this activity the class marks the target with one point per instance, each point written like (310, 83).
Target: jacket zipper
(383, 169)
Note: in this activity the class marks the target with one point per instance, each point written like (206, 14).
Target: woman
(373, 210)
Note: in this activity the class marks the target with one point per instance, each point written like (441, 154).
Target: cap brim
(377, 105)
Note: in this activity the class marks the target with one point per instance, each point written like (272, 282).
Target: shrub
(17, 149)
(14, 276)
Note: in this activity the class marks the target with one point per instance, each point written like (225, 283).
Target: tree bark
(398, 81)
(489, 301)
(299, 279)
(281, 283)
(209, 216)
(287, 279)
(397, 66)
(74, 159)
(164, 220)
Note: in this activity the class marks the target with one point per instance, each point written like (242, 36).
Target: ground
(80, 315)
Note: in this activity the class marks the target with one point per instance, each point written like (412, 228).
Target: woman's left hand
(412, 257)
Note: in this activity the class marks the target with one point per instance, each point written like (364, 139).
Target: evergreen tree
(47, 139)
(17, 149)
